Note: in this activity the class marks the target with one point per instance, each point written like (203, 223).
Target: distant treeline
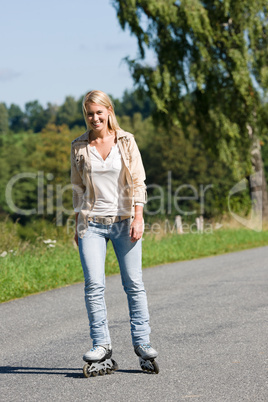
(183, 176)
(35, 117)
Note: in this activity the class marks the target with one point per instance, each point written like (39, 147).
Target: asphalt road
(209, 325)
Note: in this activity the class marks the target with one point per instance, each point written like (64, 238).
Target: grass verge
(39, 268)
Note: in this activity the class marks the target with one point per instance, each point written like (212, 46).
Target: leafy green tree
(3, 119)
(16, 118)
(23, 190)
(50, 114)
(69, 113)
(35, 116)
(143, 129)
(216, 52)
(39, 177)
(132, 102)
(79, 120)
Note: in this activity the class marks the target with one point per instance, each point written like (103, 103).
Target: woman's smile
(97, 116)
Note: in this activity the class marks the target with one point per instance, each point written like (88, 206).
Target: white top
(110, 185)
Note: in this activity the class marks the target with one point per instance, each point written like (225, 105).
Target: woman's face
(97, 117)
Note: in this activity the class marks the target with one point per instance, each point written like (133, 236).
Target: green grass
(37, 268)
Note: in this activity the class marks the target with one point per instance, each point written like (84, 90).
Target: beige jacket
(83, 191)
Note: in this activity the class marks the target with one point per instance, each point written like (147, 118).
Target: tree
(23, 190)
(41, 174)
(50, 114)
(3, 119)
(16, 118)
(68, 112)
(132, 102)
(35, 115)
(215, 54)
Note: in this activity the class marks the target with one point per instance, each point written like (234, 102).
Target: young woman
(109, 193)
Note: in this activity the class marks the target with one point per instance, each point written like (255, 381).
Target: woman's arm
(137, 172)
(77, 183)
(138, 176)
(78, 191)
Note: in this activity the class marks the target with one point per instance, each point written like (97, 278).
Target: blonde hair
(100, 98)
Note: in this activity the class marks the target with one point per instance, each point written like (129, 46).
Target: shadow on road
(68, 372)
(129, 371)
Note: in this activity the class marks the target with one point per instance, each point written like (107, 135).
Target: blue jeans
(92, 249)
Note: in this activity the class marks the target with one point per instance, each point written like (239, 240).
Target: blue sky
(55, 48)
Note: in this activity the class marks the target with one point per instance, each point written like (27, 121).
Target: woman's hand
(136, 229)
(137, 226)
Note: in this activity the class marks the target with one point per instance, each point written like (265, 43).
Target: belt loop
(119, 219)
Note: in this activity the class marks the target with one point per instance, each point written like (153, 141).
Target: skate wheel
(109, 371)
(155, 366)
(149, 365)
(101, 372)
(85, 371)
(94, 373)
(115, 365)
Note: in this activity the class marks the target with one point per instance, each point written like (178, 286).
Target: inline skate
(147, 357)
(98, 361)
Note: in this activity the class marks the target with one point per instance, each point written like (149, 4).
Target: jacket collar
(120, 134)
(84, 137)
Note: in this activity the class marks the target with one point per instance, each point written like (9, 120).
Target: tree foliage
(214, 53)
(132, 102)
(70, 113)
(41, 172)
(3, 119)
(35, 117)
(16, 118)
